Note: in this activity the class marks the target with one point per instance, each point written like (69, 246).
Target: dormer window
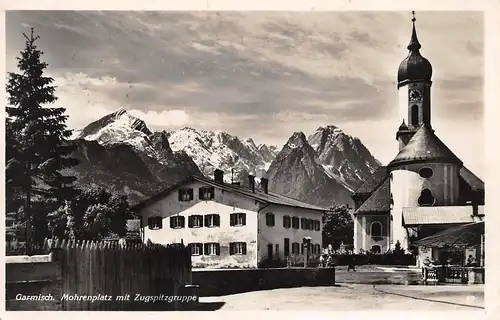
(185, 194)
(206, 193)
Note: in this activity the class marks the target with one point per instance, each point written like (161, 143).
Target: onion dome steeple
(414, 68)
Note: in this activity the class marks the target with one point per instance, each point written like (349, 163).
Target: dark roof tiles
(424, 146)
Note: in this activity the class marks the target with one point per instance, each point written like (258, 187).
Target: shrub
(369, 258)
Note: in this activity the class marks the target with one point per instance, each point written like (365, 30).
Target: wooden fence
(112, 276)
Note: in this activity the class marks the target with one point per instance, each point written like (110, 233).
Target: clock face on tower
(415, 96)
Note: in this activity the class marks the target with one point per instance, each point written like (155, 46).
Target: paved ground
(356, 297)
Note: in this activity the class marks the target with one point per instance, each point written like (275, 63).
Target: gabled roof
(266, 198)
(425, 146)
(440, 215)
(461, 236)
(373, 182)
(471, 179)
(379, 201)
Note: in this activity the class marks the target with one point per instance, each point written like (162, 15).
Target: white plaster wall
(277, 234)
(223, 204)
(403, 105)
(405, 188)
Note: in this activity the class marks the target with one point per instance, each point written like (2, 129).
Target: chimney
(219, 176)
(264, 184)
(251, 183)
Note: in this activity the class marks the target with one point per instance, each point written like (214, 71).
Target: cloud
(163, 119)
(246, 72)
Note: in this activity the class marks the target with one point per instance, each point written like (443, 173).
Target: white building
(228, 225)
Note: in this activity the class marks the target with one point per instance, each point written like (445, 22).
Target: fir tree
(37, 151)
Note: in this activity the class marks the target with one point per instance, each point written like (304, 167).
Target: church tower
(414, 85)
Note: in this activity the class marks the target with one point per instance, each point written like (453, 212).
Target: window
(211, 249)
(426, 198)
(317, 249)
(303, 223)
(376, 249)
(277, 248)
(376, 229)
(295, 248)
(270, 219)
(310, 224)
(426, 172)
(177, 222)
(317, 225)
(206, 193)
(287, 247)
(212, 220)
(237, 219)
(287, 222)
(414, 115)
(295, 222)
(195, 221)
(155, 223)
(196, 249)
(237, 248)
(186, 194)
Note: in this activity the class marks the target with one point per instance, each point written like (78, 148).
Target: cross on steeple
(413, 13)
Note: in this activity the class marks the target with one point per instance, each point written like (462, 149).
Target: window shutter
(200, 218)
(190, 194)
(272, 220)
(232, 219)
(231, 248)
(200, 193)
(205, 248)
(211, 193)
(190, 221)
(244, 218)
(244, 249)
(217, 220)
(180, 194)
(205, 218)
(183, 221)
(217, 249)
(172, 222)
(199, 245)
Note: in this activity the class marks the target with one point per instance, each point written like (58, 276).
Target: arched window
(426, 198)
(376, 229)
(376, 249)
(426, 172)
(414, 115)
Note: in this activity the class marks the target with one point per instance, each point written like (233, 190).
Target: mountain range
(120, 152)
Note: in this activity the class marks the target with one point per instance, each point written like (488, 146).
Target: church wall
(403, 104)
(368, 240)
(444, 182)
(405, 189)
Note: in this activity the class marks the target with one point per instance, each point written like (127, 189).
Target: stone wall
(232, 281)
(33, 278)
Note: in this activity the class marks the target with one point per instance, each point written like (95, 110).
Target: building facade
(425, 188)
(229, 225)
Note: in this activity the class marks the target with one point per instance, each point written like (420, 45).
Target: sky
(263, 75)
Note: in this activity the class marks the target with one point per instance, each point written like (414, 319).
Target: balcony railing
(452, 274)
